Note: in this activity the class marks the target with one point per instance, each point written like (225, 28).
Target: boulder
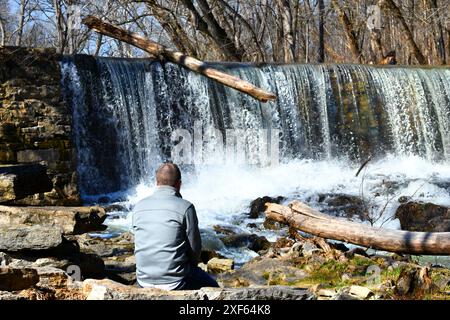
(72, 220)
(50, 277)
(110, 290)
(225, 230)
(251, 241)
(12, 279)
(106, 247)
(257, 206)
(18, 181)
(216, 265)
(426, 217)
(343, 205)
(271, 224)
(121, 268)
(207, 255)
(36, 237)
(263, 271)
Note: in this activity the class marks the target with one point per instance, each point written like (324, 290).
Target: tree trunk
(288, 35)
(413, 47)
(59, 22)
(207, 23)
(321, 50)
(439, 32)
(304, 218)
(23, 4)
(170, 24)
(2, 33)
(177, 57)
(349, 32)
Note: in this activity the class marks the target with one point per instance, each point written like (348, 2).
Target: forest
(282, 31)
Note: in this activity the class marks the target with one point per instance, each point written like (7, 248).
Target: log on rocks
(177, 57)
(304, 218)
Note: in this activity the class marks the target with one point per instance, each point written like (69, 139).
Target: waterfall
(125, 111)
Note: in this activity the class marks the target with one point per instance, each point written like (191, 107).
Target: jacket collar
(166, 191)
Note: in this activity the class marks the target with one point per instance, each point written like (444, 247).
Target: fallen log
(302, 217)
(177, 57)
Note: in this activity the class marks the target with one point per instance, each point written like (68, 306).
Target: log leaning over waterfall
(306, 219)
(177, 57)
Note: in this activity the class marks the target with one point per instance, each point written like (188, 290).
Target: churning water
(330, 119)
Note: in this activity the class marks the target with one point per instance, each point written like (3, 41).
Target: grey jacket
(167, 238)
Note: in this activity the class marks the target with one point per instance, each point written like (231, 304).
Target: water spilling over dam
(125, 110)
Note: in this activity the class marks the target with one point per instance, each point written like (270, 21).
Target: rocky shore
(47, 253)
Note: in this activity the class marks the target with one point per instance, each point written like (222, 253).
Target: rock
(426, 217)
(6, 295)
(36, 124)
(110, 290)
(20, 180)
(271, 224)
(251, 241)
(30, 238)
(72, 220)
(263, 271)
(224, 230)
(257, 206)
(12, 279)
(91, 265)
(343, 205)
(106, 247)
(50, 277)
(116, 207)
(121, 269)
(207, 255)
(216, 265)
(51, 262)
(360, 292)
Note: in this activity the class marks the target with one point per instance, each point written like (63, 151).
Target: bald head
(168, 174)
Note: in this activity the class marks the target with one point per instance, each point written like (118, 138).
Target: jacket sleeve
(193, 234)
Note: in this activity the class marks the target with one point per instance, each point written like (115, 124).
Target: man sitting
(167, 238)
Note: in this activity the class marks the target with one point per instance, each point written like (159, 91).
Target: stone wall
(35, 124)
